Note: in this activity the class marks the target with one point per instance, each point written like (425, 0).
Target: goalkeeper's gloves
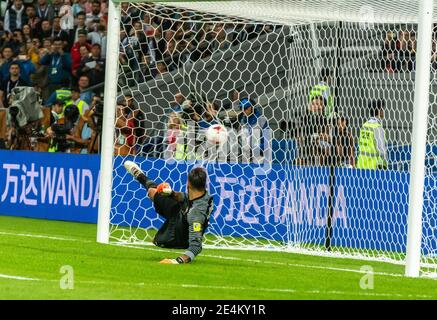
(179, 260)
(164, 188)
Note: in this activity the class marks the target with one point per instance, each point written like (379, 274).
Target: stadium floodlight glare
(187, 62)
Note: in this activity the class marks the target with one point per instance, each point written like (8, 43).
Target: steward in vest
(322, 89)
(63, 94)
(372, 142)
(186, 140)
(80, 104)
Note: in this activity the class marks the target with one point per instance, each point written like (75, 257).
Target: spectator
(40, 78)
(57, 111)
(161, 67)
(148, 70)
(389, 54)
(33, 50)
(33, 21)
(47, 43)
(15, 42)
(78, 7)
(138, 117)
(83, 85)
(75, 51)
(5, 38)
(66, 15)
(80, 19)
(46, 30)
(93, 66)
(57, 31)
(124, 132)
(14, 16)
(171, 142)
(84, 53)
(14, 80)
(406, 46)
(253, 125)
(76, 100)
(59, 63)
(209, 116)
(99, 35)
(27, 33)
(8, 58)
(372, 142)
(179, 99)
(26, 65)
(57, 4)
(345, 145)
(93, 18)
(44, 10)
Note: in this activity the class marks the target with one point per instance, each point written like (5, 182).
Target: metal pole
(421, 105)
(107, 148)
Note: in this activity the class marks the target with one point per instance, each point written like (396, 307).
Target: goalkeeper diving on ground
(186, 214)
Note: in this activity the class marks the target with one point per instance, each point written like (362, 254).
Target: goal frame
(420, 115)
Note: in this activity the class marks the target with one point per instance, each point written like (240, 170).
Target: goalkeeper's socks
(146, 182)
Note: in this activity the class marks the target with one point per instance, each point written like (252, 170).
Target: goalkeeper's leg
(165, 205)
(139, 175)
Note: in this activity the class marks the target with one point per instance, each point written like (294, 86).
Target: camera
(71, 115)
(98, 114)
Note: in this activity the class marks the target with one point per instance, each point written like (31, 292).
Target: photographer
(61, 133)
(85, 134)
(94, 120)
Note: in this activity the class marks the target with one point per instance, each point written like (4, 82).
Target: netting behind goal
(299, 172)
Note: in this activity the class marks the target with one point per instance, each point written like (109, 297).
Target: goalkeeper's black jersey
(186, 222)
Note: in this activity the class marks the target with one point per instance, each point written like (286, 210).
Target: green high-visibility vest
(369, 157)
(181, 152)
(80, 105)
(322, 90)
(64, 95)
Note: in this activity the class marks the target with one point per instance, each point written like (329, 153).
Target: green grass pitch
(33, 252)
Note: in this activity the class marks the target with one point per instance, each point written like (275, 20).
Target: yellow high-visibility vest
(369, 157)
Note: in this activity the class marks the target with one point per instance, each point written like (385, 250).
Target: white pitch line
(6, 276)
(205, 255)
(271, 262)
(41, 236)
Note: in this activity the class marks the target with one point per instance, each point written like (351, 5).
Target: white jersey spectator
(66, 14)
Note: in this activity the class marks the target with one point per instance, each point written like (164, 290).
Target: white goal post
(314, 205)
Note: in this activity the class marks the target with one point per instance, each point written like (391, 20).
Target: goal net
(317, 100)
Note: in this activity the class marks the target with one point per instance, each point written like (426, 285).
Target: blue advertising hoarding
(284, 203)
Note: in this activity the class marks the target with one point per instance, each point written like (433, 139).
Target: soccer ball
(217, 134)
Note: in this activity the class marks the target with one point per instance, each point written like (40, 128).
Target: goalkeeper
(186, 214)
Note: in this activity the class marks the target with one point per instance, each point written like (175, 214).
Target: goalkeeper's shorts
(174, 232)
(166, 206)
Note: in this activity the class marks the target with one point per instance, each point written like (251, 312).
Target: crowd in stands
(58, 48)
(160, 40)
(399, 50)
